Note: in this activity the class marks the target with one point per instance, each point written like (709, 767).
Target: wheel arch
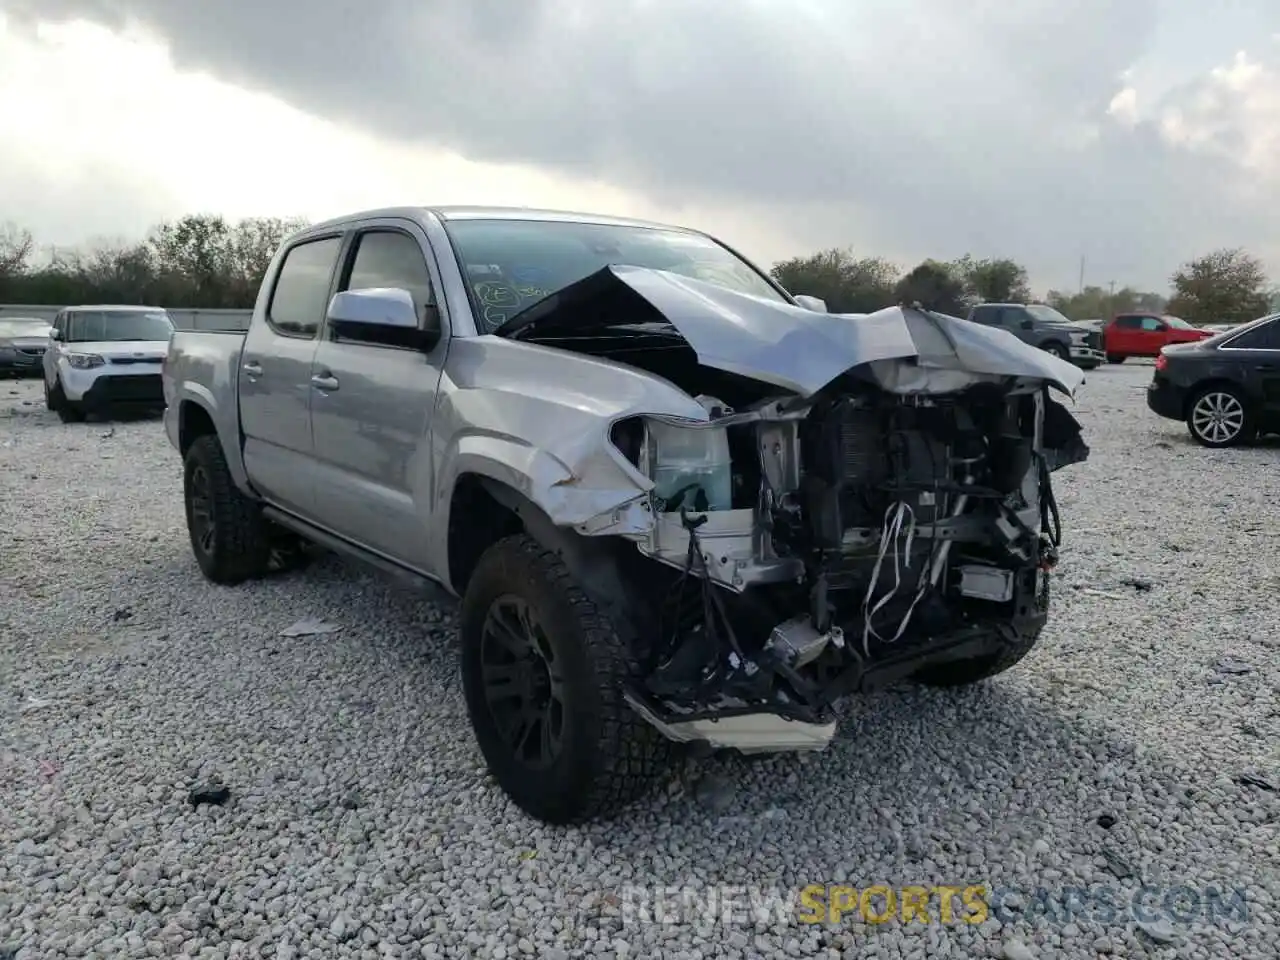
(483, 511)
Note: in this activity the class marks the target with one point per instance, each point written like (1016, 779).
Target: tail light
(1161, 362)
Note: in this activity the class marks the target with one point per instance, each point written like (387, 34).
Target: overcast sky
(1134, 133)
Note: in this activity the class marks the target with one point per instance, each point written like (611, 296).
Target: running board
(431, 590)
(760, 732)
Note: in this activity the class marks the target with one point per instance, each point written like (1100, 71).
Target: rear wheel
(1114, 358)
(543, 672)
(1218, 416)
(229, 537)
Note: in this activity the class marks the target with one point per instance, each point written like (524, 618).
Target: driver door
(1153, 334)
(372, 403)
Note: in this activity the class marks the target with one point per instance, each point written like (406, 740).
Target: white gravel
(361, 822)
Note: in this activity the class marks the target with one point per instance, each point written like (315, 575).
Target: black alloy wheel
(523, 683)
(204, 528)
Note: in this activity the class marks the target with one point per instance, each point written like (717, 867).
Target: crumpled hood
(789, 346)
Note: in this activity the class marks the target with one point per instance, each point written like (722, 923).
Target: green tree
(15, 252)
(993, 281)
(848, 284)
(1226, 286)
(1096, 303)
(195, 261)
(935, 286)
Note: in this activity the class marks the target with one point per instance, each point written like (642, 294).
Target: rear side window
(1263, 337)
(386, 258)
(986, 315)
(301, 293)
(1129, 323)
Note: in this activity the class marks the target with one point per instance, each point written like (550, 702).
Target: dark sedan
(1227, 388)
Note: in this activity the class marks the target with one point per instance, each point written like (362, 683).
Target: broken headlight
(689, 465)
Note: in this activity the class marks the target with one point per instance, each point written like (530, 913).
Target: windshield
(512, 264)
(1048, 314)
(23, 328)
(1177, 323)
(93, 326)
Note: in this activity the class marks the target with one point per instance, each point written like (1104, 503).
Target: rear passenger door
(372, 404)
(1124, 336)
(275, 374)
(1257, 355)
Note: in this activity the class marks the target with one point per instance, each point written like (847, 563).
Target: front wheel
(1058, 350)
(1219, 417)
(1017, 644)
(229, 535)
(55, 399)
(543, 672)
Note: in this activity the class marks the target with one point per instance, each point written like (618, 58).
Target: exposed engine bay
(807, 545)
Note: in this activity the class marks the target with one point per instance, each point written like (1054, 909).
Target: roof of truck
(496, 213)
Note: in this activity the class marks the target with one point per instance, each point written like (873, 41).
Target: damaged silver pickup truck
(680, 506)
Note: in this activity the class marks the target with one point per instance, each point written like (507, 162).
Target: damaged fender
(537, 420)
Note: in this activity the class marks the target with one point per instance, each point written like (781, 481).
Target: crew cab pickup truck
(679, 505)
(1044, 327)
(1146, 334)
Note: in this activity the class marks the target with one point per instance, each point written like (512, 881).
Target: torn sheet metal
(789, 346)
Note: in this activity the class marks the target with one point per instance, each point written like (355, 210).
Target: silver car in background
(23, 341)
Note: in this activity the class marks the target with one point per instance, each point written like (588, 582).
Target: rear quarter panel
(202, 371)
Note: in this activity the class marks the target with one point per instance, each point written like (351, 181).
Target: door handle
(1267, 366)
(252, 368)
(328, 384)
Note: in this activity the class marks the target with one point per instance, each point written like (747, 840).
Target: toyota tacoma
(681, 507)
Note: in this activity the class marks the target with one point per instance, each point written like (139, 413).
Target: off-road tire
(1114, 358)
(963, 673)
(609, 755)
(241, 546)
(1248, 424)
(1058, 350)
(68, 411)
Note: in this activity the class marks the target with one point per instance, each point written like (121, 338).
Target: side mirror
(816, 304)
(382, 315)
(55, 334)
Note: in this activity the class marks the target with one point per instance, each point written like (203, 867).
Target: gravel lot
(361, 822)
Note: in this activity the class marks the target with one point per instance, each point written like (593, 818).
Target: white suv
(101, 358)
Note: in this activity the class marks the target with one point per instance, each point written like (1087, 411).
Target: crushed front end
(816, 547)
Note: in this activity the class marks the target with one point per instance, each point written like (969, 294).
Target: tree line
(1225, 286)
(204, 260)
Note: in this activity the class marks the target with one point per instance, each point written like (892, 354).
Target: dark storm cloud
(928, 126)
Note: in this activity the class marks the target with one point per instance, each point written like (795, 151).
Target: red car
(1145, 335)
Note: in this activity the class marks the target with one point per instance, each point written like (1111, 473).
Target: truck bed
(205, 365)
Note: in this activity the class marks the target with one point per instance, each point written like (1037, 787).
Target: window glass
(388, 259)
(301, 293)
(99, 326)
(1046, 313)
(1129, 323)
(1151, 324)
(988, 316)
(510, 265)
(1265, 336)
